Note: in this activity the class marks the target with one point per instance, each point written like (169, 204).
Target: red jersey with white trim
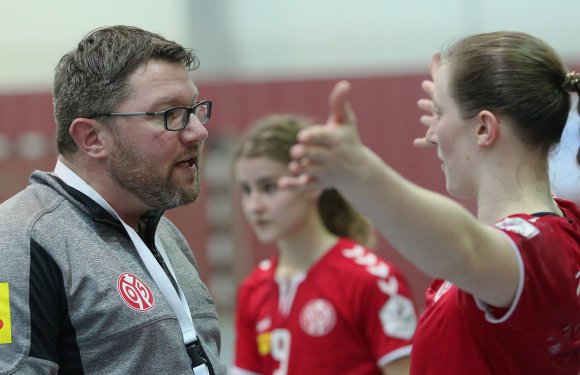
(538, 334)
(352, 313)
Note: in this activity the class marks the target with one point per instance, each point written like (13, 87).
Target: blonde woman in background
(325, 304)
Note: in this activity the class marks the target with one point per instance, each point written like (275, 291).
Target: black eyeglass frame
(164, 113)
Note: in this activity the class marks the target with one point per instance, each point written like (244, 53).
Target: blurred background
(259, 57)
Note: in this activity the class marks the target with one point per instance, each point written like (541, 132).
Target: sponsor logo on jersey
(318, 317)
(263, 341)
(5, 323)
(518, 225)
(263, 338)
(134, 292)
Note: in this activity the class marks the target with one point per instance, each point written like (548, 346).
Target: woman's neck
(505, 192)
(301, 250)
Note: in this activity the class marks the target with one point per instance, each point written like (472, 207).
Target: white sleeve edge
(484, 307)
(403, 351)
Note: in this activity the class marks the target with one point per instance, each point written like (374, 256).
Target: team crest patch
(134, 292)
(317, 317)
(398, 317)
(518, 225)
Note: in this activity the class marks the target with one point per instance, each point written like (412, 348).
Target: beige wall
(260, 39)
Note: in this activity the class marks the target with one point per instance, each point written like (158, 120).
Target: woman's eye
(270, 188)
(245, 189)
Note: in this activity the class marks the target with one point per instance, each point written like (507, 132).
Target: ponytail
(341, 219)
(572, 84)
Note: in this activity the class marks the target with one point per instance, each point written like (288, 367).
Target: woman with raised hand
(506, 299)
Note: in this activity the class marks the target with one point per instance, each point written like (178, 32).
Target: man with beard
(93, 278)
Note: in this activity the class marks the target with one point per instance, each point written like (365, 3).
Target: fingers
(425, 105)
(321, 156)
(340, 113)
(434, 65)
(428, 87)
(304, 157)
(426, 120)
(313, 136)
(422, 143)
(300, 182)
(340, 110)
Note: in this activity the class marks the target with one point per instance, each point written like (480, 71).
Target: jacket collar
(148, 222)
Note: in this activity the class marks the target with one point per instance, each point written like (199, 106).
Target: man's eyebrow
(173, 99)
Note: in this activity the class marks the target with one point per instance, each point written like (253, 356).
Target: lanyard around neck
(177, 302)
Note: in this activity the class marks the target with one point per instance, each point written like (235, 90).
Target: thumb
(340, 110)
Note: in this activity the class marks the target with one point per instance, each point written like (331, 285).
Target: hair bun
(572, 82)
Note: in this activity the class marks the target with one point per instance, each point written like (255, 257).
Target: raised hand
(326, 154)
(426, 104)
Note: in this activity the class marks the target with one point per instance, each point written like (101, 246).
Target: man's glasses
(174, 118)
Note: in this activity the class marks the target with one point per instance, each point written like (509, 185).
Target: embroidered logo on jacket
(135, 292)
(318, 317)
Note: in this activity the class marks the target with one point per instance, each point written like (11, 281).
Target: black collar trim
(147, 223)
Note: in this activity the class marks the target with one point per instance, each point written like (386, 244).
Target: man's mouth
(189, 162)
(261, 223)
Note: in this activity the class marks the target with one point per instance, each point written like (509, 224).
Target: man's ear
(90, 137)
(487, 131)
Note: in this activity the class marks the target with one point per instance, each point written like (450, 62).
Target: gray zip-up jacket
(81, 300)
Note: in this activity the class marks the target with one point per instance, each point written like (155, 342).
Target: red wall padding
(387, 117)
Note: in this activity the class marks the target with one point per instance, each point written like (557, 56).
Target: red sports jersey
(351, 313)
(538, 334)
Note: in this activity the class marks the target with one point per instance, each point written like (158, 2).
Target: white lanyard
(177, 302)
